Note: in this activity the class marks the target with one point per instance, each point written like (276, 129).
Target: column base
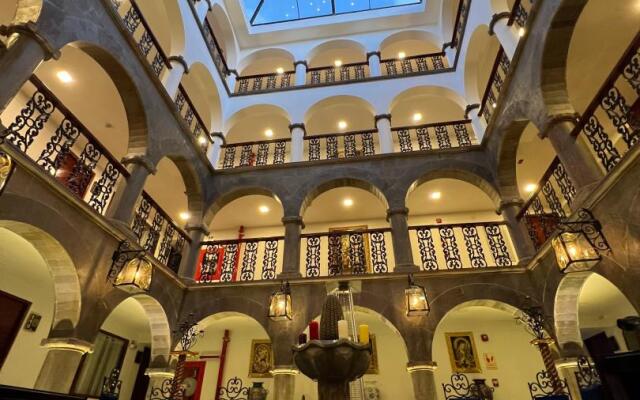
(423, 379)
(290, 275)
(406, 268)
(284, 382)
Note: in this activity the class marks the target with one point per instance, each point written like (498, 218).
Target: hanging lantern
(416, 299)
(6, 168)
(135, 276)
(280, 304)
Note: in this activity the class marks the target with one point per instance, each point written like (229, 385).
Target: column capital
(516, 202)
(30, 30)
(197, 228)
(233, 72)
(395, 211)
(160, 373)
(70, 344)
(494, 20)
(300, 62)
(180, 60)
(372, 54)
(284, 370)
(139, 159)
(218, 135)
(381, 117)
(553, 120)
(415, 366)
(295, 219)
(299, 125)
(470, 108)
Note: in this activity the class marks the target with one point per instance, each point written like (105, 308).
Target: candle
(302, 338)
(363, 334)
(343, 329)
(314, 330)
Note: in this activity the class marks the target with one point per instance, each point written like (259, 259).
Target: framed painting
(462, 352)
(261, 359)
(373, 364)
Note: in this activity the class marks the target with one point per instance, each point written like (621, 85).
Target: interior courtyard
(319, 199)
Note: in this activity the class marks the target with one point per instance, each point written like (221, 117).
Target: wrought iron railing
(346, 252)
(611, 123)
(340, 145)
(140, 31)
(457, 246)
(442, 135)
(549, 204)
(464, 6)
(54, 138)
(264, 82)
(217, 54)
(544, 388)
(241, 260)
(520, 13)
(331, 74)
(191, 117)
(495, 83)
(418, 64)
(157, 233)
(255, 154)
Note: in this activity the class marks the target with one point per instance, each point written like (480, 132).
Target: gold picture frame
(462, 352)
(261, 359)
(373, 364)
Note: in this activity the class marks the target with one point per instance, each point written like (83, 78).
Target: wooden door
(14, 310)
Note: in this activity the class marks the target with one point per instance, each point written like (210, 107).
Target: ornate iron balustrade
(54, 138)
(136, 25)
(611, 123)
(549, 204)
(464, 6)
(157, 233)
(587, 375)
(442, 135)
(543, 387)
(418, 64)
(340, 145)
(330, 74)
(192, 118)
(217, 54)
(255, 154)
(264, 82)
(349, 252)
(498, 75)
(461, 389)
(520, 13)
(458, 246)
(241, 260)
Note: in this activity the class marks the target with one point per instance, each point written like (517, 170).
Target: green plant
(331, 314)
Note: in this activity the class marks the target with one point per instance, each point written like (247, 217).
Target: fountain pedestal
(333, 363)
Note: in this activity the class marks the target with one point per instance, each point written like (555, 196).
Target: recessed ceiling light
(494, 105)
(342, 124)
(202, 140)
(64, 76)
(268, 133)
(348, 202)
(280, 70)
(402, 55)
(185, 215)
(417, 117)
(337, 63)
(263, 209)
(530, 187)
(521, 32)
(435, 195)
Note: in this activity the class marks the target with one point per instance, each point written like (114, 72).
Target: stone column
(173, 76)
(580, 164)
(284, 382)
(383, 124)
(301, 72)
(374, 63)
(507, 35)
(291, 260)
(61, 364)
(567, 368)
(215, 150)
(124, 201)
(26, 49)
(160, 380)
(297, 142)
(423, 380)
(189, 265)
(509, 209)
(398, 217)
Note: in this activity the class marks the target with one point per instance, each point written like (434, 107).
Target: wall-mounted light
(337, 63)
(280, 70)
(402, 55)
(64, 76)
(579, 244)
(6, 169)
(280, 303)
(416, 299)
(130, 270)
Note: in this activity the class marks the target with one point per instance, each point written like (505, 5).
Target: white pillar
(301, 72)
(478, 124)
(173, 75)
(383, 124)
(160, 380)
(450, 54)
(231, 80)
(215, 150)
(423, 380)
(374, 63)
(297, 142)
(202, 8)
(507, 36)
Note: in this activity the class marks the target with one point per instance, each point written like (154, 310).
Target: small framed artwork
(462, 352)
(373, 364)
(261, 359)
(484, 337)
(33, 320)
(490, 361)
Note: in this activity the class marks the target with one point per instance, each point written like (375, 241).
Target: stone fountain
(332, 362)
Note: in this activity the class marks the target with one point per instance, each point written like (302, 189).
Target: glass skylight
(262, 12)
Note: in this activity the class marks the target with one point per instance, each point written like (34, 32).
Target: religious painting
(490, 361)
(73, 173)
(349, 250)
(261, 359)
(373, 364)
(462, 352)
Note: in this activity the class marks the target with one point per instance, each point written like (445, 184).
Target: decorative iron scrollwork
(368, 147)
(450, 248)
(427, 250)
(460, 388)
(462, 135)
(229, 262)
(442, 136)
(544, 386)
(312, 260)
(162, 392)
(424, 141)
(31, 120)
(249, 261)
(498, 246)
(270, 259)
(474, 247)
(587, 374)
(405, 140)
(378, 253)
(234, 390)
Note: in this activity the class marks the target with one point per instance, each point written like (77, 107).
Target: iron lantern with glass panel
(280, 304)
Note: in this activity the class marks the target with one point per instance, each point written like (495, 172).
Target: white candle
(343, 329)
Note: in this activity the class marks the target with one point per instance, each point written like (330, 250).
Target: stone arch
(275, 115)
(507, 158)
(192, 182)
(203, 92)
(66, 284)
(424, 41)
(481, 53)
(27, 11)
(234, 194)
(356, 50)
(316, 116)
(224, 33)
(265, 60)
(341, 182)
